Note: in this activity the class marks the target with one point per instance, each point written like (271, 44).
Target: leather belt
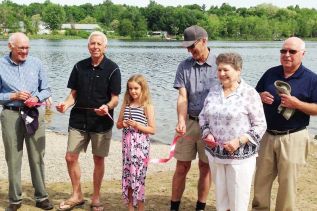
(13, 108)
(195, 118)
(284, 132)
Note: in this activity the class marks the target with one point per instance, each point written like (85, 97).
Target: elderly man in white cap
(194, 77)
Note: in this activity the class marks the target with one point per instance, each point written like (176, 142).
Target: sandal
(69, 205)
(97, 207)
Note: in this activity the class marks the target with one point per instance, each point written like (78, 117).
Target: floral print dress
(135, 156)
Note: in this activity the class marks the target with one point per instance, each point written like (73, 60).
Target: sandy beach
(158, 183)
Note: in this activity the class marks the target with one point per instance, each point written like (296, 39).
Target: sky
(208, 3)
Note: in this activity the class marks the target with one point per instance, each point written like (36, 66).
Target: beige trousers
(279, 156)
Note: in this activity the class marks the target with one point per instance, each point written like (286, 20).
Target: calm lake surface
(158, 62)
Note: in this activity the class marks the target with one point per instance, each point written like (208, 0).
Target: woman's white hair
(98, 33)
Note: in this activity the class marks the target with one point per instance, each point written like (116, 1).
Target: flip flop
(69, 205)
(97, 207)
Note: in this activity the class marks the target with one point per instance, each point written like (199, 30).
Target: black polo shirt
(94, 86)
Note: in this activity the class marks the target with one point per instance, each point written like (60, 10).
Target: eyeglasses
(291, 51)
(23, 48)
(193, 45)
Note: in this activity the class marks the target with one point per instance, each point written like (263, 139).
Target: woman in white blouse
(232, 124)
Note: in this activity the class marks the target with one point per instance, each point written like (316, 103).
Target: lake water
(158, 61)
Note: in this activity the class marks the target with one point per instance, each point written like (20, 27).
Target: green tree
(53, 15)
(153, 14)
(107, 12)
(88, 19)
(125, 27)
(212, 24)
(114, 25)
(33, 9)
(74, 13)
(10, 16)
(32, 24)
(139, 26)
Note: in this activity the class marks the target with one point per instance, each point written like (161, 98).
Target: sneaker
(44, 205)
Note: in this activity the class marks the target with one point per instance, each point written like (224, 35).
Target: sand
(158, 183)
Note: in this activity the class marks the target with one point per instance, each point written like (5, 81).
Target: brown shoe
(13, 207)
(44, 205)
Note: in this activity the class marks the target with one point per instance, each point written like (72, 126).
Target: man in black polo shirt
(95, 85)
(284, 146)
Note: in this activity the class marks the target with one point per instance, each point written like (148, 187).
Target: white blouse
(226, 118)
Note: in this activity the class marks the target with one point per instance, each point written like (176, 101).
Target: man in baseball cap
(194, 77)
(192, 34)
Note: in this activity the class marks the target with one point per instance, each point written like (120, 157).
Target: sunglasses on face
(193, 45)
(291, 51)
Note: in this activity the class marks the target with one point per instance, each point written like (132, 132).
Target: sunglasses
(291, 51)
(193, 45)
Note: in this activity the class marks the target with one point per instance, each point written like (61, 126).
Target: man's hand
(102, 110)
(181, 127)
(61, 107)
(288, 101)
(21, 95)
(267, 98)
(31, 102)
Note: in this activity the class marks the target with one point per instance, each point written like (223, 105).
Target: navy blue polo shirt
(94, 86)
(304, 87)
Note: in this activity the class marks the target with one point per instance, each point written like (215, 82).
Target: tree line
(262, 22)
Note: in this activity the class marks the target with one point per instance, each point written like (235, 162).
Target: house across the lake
(83, 27)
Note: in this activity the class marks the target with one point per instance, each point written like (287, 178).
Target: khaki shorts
(78, 141)
(186, 148)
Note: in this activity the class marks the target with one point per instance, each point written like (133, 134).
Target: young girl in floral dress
(137, 120)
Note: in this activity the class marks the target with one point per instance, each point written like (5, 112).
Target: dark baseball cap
(192, 34)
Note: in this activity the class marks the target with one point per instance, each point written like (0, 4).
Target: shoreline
(56, 168)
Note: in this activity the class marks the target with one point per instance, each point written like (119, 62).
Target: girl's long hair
(145, 98)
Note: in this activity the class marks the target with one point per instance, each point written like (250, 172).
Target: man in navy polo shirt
(284, 146)
(95, 85)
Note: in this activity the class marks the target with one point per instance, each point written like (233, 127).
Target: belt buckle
(195, 118)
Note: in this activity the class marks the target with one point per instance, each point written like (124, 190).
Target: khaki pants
(78, 141)
(186, 148)
(279, 156)
(13, 135)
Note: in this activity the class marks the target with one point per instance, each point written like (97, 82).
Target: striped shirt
(137, 114)
(26, 76)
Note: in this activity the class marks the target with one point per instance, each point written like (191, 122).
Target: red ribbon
(30, 104)
(172, 150)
